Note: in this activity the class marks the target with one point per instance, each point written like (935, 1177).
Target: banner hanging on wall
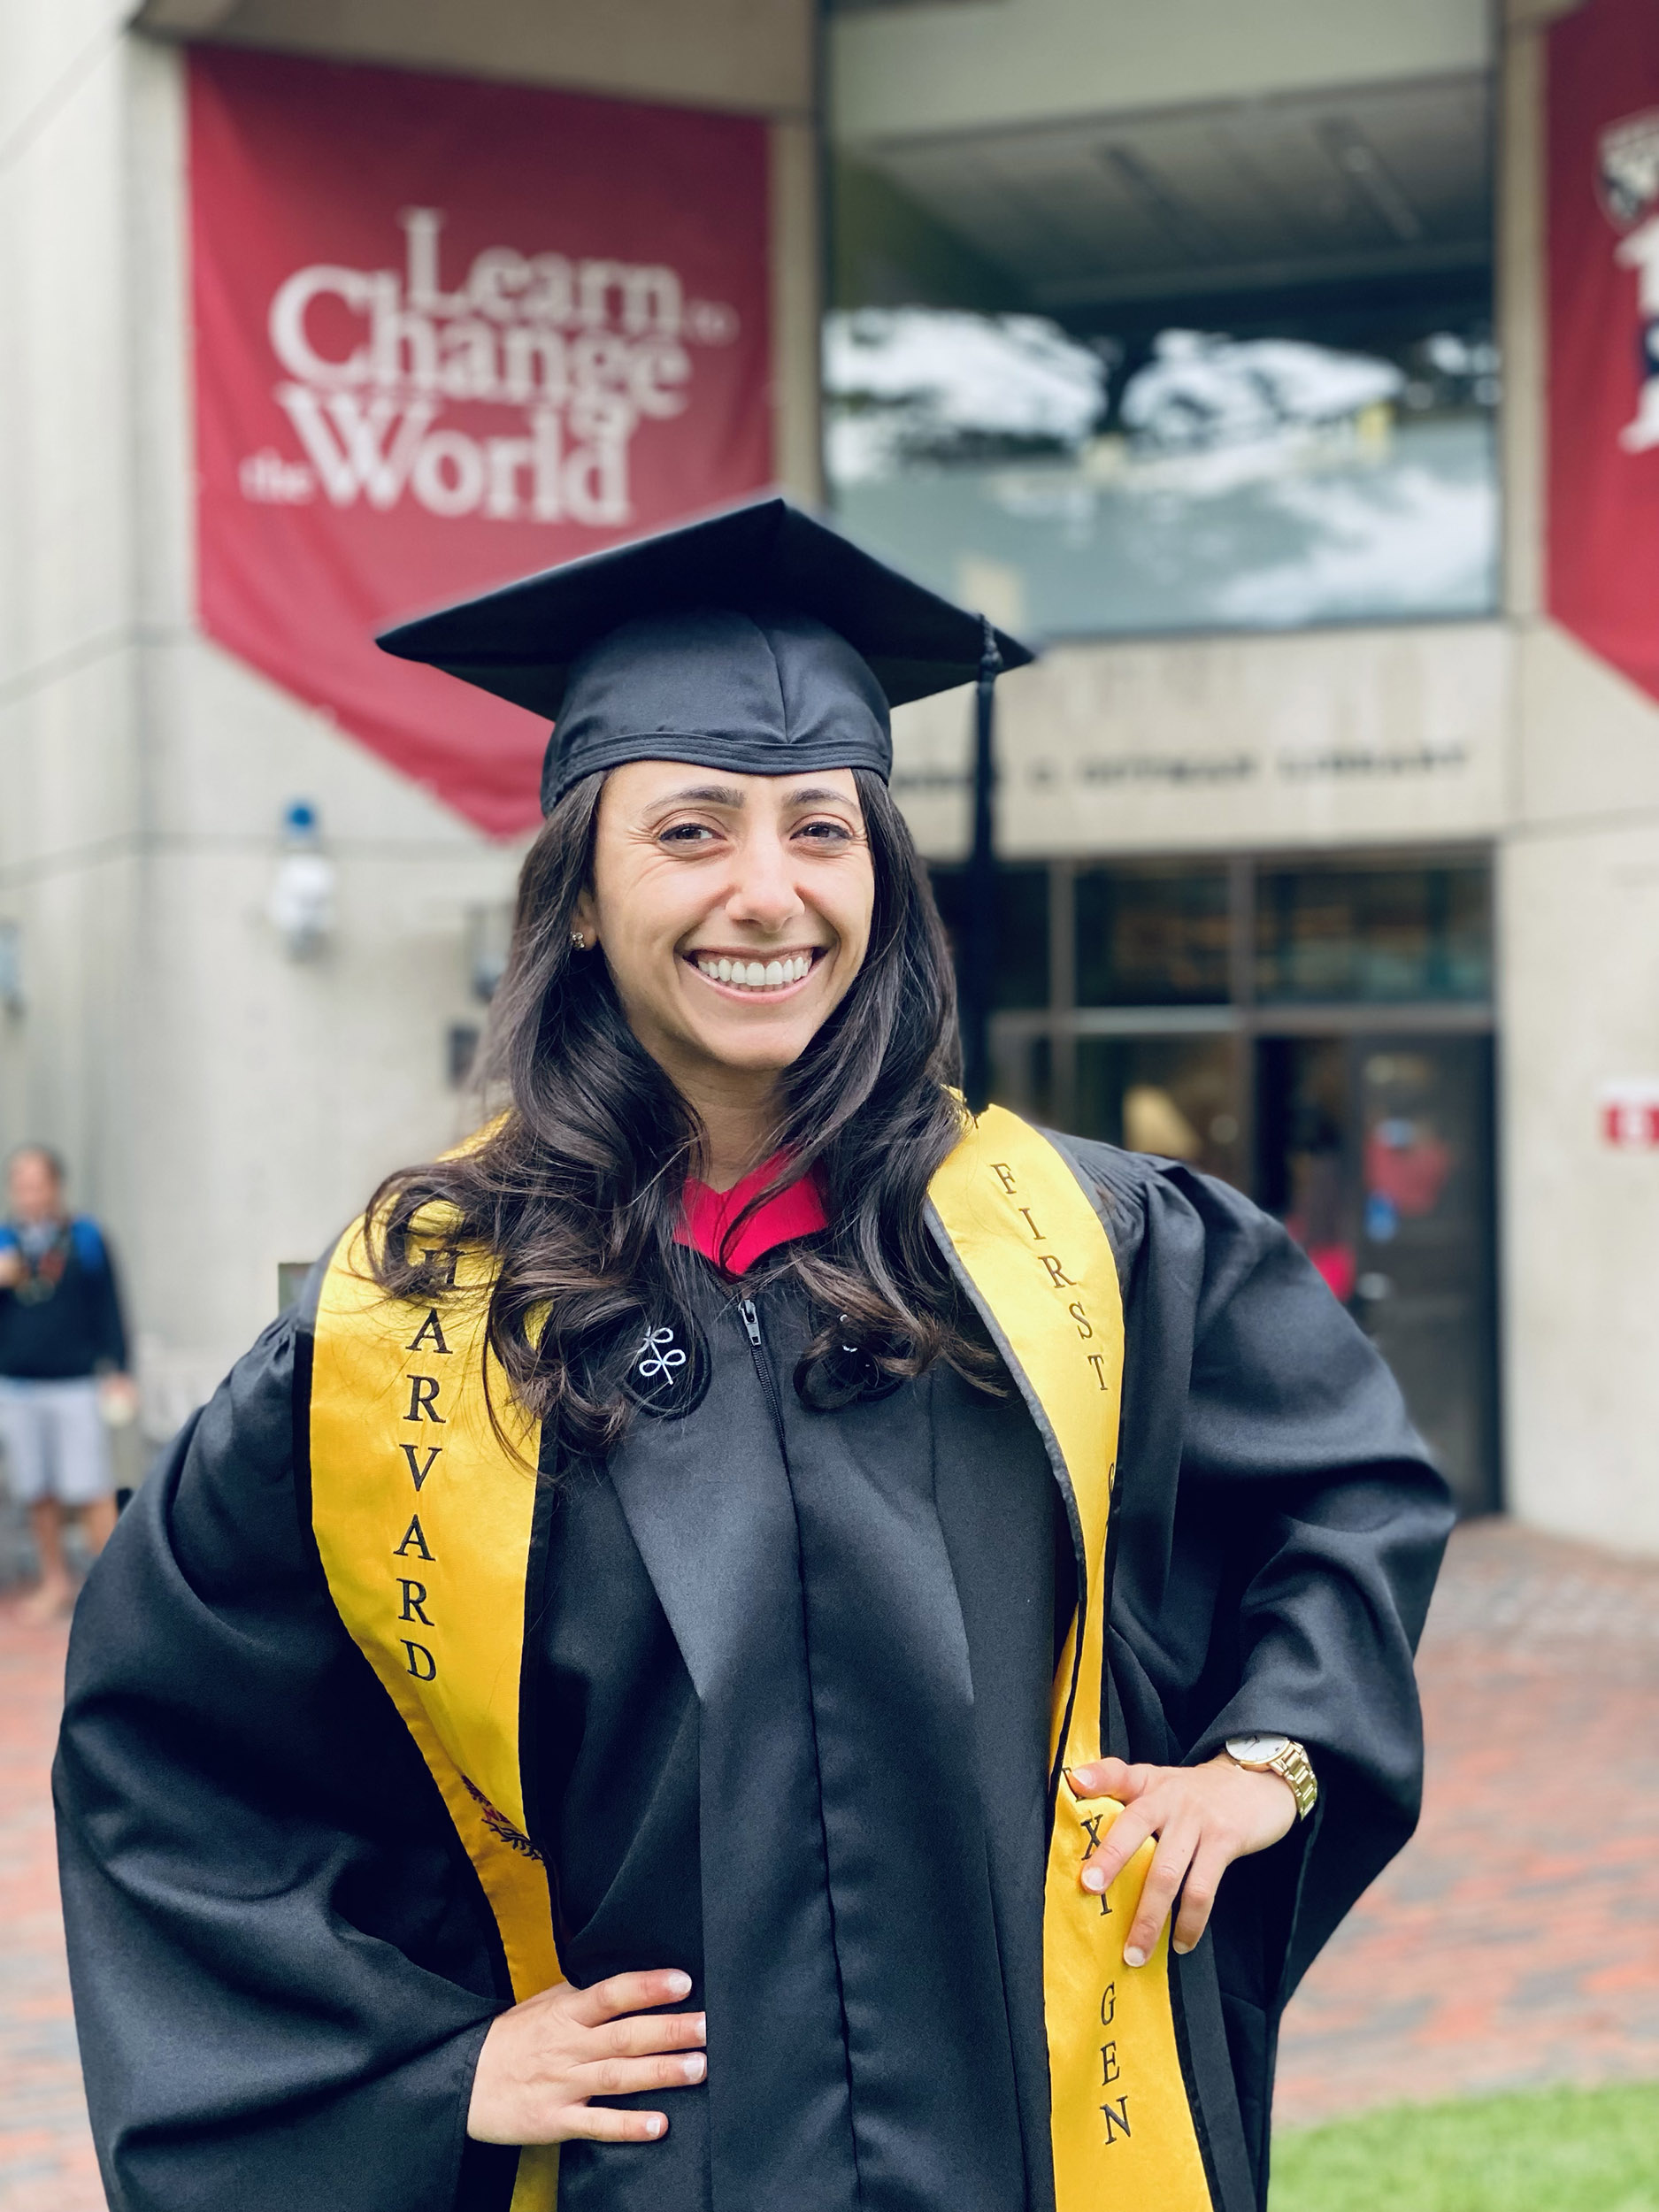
(1602, 165)
(448, 333)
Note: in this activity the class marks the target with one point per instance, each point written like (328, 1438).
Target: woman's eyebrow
(702, 795)
(821, 795)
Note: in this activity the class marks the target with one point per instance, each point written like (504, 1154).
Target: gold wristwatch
(1281, 1755)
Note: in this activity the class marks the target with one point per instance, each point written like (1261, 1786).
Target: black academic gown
(791, 1691)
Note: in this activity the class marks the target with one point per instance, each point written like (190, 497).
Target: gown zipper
(749, 1313)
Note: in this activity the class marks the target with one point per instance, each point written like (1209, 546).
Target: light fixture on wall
(301, 907)
(10, 967)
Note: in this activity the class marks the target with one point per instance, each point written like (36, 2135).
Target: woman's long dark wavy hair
(576, 1189)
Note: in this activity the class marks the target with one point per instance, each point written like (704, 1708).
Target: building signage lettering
(1202, 772)
(579, 354)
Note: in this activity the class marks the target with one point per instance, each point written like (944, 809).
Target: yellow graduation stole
(423, 1517)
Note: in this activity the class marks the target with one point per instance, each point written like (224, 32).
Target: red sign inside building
(1630, 1113)
(1602, 142)
(449, 333)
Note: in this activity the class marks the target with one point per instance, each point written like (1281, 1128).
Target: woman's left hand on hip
(1204, 1817)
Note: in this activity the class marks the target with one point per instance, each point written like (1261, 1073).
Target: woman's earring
(578, 941)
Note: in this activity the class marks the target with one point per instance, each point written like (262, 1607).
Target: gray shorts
(55, 1442)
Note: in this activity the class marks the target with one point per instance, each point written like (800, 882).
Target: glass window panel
(1152, 937)
(1224, 370)
(1373, 934)
(1375, 1152)
(1022, 930)
(1173, 1095)
(1204, 480)
(1022, 1073)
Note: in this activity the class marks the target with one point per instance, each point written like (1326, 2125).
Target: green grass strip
(1549, 2149)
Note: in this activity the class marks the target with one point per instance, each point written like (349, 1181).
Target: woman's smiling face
(734, 911)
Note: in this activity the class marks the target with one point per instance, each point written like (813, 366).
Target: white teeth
(753, 975)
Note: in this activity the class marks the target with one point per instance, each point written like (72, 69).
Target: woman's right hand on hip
(543, 2062)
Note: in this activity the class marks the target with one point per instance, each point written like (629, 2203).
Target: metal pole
(979, 978)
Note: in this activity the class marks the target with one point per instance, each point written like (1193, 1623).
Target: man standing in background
(63, 1366)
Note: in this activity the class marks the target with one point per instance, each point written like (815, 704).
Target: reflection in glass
(1163, 369)
(1022, 1076)
(1373, 933)
(1336, 467)
(1171, 1095)
(1152, 937)
(1376, 1153)
(1304, 1115)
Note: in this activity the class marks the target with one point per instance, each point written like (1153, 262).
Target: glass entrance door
(1317, 1031)
(1376, 1151)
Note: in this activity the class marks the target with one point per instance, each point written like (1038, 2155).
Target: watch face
(1255, 1751)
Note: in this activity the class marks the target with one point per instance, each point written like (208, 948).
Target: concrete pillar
(1579, 942)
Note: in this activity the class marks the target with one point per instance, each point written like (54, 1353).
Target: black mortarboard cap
(759, 640)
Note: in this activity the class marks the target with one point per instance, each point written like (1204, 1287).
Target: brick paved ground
(46, 2162)
(1505, 1948)
(1516, 1941)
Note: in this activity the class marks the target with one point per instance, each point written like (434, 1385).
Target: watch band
(1293, 1765)
(1290, 1761)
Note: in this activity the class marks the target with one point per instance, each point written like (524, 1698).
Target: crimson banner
(448, 333)
(1602, 156)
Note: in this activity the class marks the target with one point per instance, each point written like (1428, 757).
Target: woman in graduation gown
(753, 1642)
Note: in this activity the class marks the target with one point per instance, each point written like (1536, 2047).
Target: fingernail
(680, 1984)
(700, 2021)
(1133, 1957)
(1094, 1878)
(696, 2067)
(1080, 1778)
(654, 2126)
(1180, 1949)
